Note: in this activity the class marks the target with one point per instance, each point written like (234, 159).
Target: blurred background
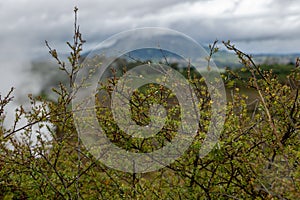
(267, 29)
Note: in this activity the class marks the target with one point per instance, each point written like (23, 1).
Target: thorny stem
(76, 48)
(248, 62)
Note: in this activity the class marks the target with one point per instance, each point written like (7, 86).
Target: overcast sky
(255, 26)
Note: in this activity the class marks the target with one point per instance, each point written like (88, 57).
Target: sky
(255, 26)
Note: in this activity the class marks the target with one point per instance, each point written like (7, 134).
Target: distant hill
(222, 58)
(272, 59)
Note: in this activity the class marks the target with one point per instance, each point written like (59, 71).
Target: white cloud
(25, 24)
(254, 25)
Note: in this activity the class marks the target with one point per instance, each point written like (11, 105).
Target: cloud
(240, 21)
(25, 24)
(253, 25)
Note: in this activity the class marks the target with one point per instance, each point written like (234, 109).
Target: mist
(269, 26)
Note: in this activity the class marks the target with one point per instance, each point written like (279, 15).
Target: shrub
(257, 156)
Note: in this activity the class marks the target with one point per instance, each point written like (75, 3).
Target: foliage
(257, 156)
